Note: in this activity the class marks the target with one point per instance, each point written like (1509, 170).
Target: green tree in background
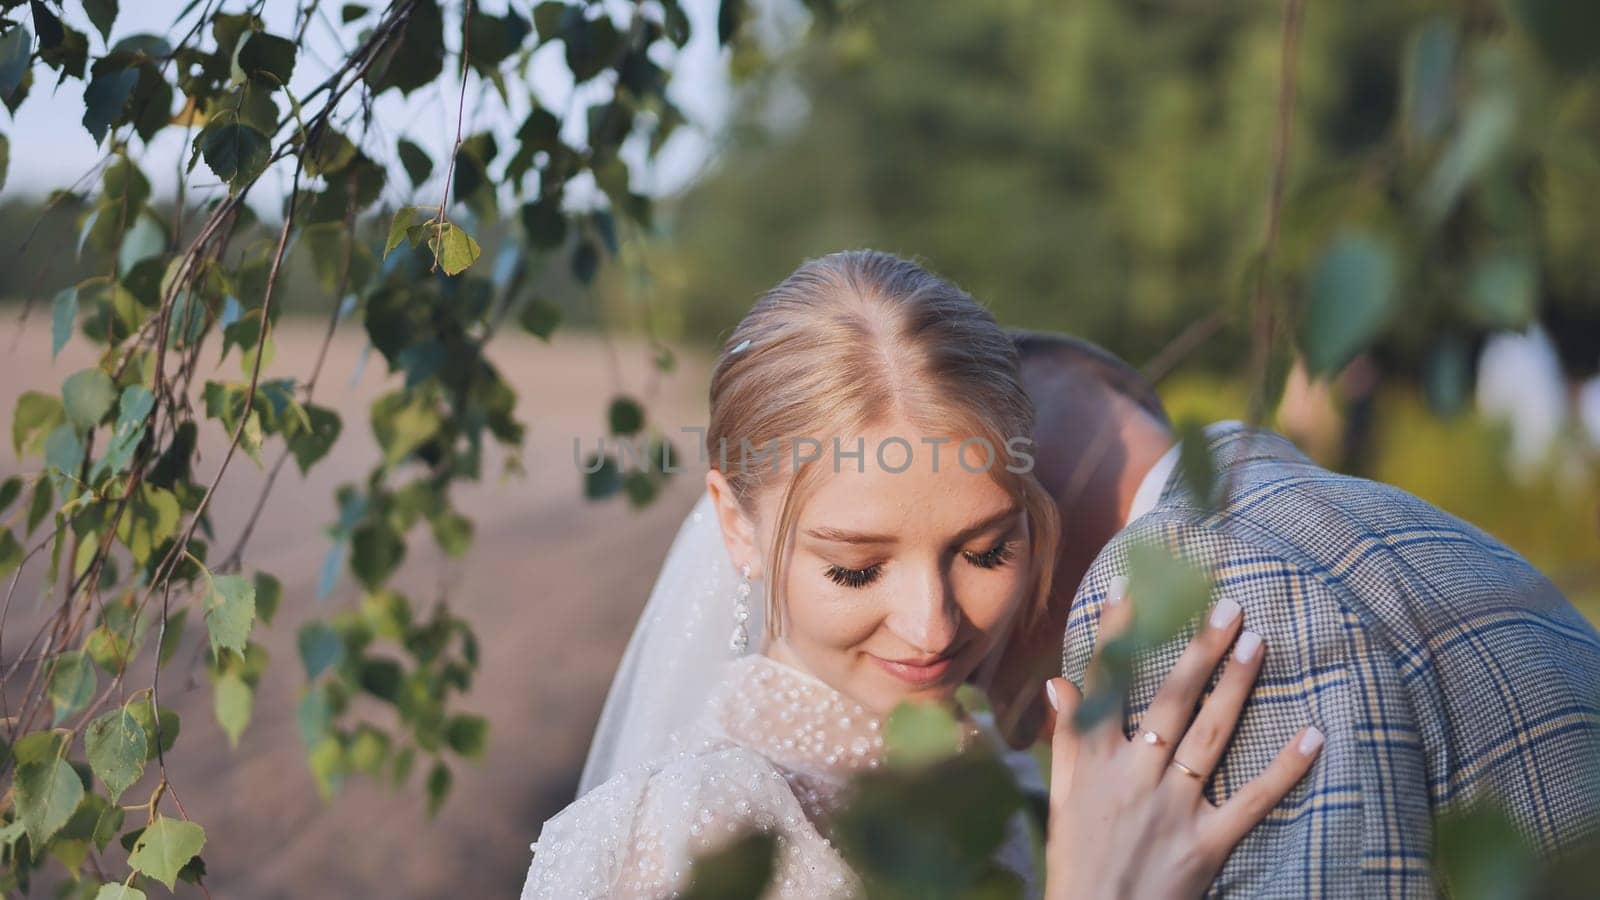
(1101, 167)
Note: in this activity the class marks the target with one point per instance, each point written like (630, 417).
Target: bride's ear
(738, 531)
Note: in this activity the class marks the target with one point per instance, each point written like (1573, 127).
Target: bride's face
(900, 582)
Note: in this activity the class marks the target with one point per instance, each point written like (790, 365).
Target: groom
(1444, 669)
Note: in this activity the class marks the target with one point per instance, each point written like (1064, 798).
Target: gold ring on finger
(1197, 776)
(1153, 739)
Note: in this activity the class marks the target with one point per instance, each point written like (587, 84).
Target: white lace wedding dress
(772, 748)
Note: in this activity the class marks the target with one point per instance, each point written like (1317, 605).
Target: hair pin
(742, 344)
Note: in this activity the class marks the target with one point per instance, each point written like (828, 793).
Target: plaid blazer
(1443, 668)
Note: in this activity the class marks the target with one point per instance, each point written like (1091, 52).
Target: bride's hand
(1129, 818)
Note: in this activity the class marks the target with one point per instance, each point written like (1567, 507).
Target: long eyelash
(994, 557)
(853, 578)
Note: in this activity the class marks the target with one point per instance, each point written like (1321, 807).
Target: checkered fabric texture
(1443, 668)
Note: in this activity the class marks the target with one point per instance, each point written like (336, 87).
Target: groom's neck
(1144, 441)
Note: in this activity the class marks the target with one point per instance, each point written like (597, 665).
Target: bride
(871, 533)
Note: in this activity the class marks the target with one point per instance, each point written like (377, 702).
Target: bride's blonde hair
(846, 342)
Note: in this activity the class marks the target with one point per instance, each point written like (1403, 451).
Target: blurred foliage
(925, 826)
(1172, 592)
(1102, 167)
(112, 503)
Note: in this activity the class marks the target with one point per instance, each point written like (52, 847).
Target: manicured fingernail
(1117, 589)
(1050, 691)
(1310, 741)
(1223, 614)
(1245, 649)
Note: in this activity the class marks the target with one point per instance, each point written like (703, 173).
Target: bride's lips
(917, 671)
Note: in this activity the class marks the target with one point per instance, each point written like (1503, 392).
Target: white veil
(677, 650)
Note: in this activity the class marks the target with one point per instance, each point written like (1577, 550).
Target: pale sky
(51, 149)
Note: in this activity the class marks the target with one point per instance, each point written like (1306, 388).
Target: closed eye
(995, 556)
(853, 578)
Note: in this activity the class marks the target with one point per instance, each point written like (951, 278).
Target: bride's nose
(925, 614)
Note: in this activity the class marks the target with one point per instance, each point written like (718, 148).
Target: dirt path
(552, 587)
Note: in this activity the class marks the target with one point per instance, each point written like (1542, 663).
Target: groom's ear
(738, 531)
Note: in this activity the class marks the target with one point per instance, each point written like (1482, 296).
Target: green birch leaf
(169, 726)
(416, 162)
(917, 734)
(174, 633)
(265, 58)
(133, 414)
(48, 792)
(730, 15)
(230, 611)
(741, 868)
(369, 750)
(11, 553)
(397, 228)
(108, 648)
(63, 453)
(48, 24)
(63, 316)
(438, 787)
(104, 99)
(102, 14)
(540, 317)
(235, 152)
(327, 761)
(544, 223)
(416, 61)
(16, 49)
(36, 415)
(468, 735)
(1429, 89)
(107, 825)
(626, 416)
(308, 446)
(42, 504)
(165, 847)
(401, 764)
(455, 250)
(453, 532)
(234, 701)
(72, 683)
(1167, 591)
(117, 748)
(1352, 297)
(313, 716)
(331, 152)
(268, 592)
(585, 261)
(321, 648)
(1195, 466)
(87, 396)
(119, 892)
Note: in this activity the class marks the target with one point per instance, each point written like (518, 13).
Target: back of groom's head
(1087, 363)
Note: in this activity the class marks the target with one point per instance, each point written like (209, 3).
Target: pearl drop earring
(741, 612)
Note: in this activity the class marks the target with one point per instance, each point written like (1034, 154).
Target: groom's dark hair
(1093, 361)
